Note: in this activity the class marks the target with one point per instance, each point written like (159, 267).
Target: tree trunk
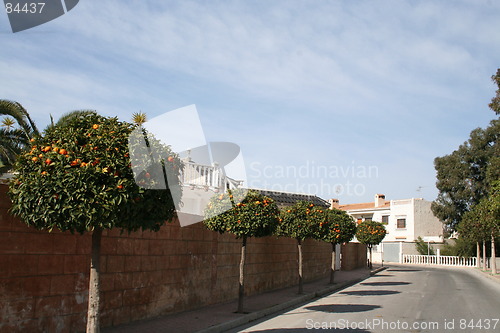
(478, 255)
(332, 268)
(241, 290)
(370, 260)
(94, 284)
(493, 255)
(484, 255)
(299, 247)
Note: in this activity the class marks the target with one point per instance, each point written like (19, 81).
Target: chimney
(379, 200)
(334, 203)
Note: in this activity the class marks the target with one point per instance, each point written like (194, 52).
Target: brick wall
(354, 255)
(44, 276)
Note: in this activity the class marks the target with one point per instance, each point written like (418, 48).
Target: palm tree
(13, 139)
(139, 118)
(8, 123)
(68, 116)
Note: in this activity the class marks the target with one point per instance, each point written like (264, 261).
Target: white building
(404, 220)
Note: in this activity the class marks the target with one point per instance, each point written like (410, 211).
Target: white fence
(439, 260)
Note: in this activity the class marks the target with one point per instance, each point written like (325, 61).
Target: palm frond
(69, 116)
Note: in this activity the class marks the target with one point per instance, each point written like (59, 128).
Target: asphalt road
(399, 299)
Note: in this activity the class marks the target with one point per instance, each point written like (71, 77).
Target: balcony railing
(207, 177)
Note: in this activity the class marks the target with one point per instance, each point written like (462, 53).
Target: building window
(401, 223)
(368, 218)
(385, 219)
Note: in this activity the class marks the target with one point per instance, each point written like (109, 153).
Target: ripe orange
(95, 126)
(170, 159)
(55, 150)
(63, 152)
(34, 159)
(48, 161)
(32, 140)
(46, 149)
(120, 186)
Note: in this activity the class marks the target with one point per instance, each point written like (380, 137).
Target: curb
(279, 307)
(487, 274)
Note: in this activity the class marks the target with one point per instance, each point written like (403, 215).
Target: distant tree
(77, 177)
(370, 233)
(464, 177)
(483, 222)
(423, 247)
(299, 221)
(244, 214)
(473, 230)
(337, 228)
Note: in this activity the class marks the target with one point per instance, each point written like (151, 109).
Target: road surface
(399, 299)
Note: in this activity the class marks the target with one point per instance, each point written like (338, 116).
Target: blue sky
(364, 93)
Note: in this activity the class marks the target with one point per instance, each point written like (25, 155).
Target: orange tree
(337, 228)
(77, 177)
(298, 221)
(370, 233)
(244, 214)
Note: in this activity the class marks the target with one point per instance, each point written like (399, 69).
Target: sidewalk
(221, 317)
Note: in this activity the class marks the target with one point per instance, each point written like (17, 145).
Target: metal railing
(439, 260)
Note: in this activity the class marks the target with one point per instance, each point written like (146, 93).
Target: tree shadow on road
(342, 308)
(370, 292)
(386, 283)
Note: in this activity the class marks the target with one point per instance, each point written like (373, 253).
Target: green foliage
(483, 219)
(338, 227)
(461, 248)
(495, 101)
(465, 176)
(15, 133)
(301, 220)
(370, 233)
(245, 214)
(423, 247)
(77, 176)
